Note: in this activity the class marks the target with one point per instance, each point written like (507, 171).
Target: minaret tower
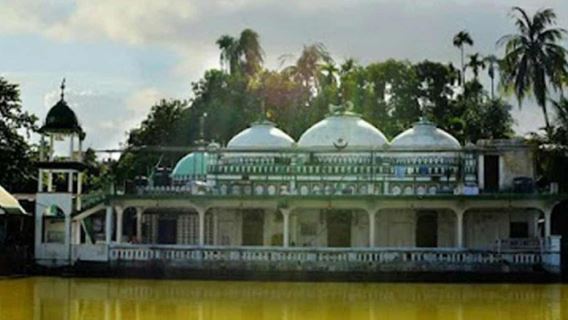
(60, 175)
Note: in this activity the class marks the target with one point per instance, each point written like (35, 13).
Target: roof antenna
(62, 89)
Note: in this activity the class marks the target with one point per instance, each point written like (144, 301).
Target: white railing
(127, 252)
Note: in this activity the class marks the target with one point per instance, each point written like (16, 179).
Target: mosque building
(343, 198)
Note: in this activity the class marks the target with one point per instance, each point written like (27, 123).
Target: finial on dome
(262, 110)
(62, 89)
(341, 108)
(423, 122)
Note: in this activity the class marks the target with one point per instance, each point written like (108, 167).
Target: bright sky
(121, 56)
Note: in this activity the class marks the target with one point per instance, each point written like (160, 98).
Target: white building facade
(342, 198)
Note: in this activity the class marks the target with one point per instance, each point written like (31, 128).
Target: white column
(459, 228)
(49, 181)
(78, 226)
(119, 212)
(71, 146)
(286, 227)
(201, 215)
(40, 181)
(547, 223)
(139, 224)
(79, 190)
(293, 229)
(70, 182)
(108, 225)
(372, 222)
(51, 147)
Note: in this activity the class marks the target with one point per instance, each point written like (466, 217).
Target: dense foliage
(391, 94)
(16, 155)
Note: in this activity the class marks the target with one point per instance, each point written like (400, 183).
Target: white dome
(342, 130)
(425, 135)
(261, 135)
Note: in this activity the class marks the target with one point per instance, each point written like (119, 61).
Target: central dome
(261, 135)
(342, 130)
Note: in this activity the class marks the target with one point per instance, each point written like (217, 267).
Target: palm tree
(460, 39)
(307, 69)
(229, 53)
(534, 57)
(251, 52)
(241, 55)
(347, 66)
(476, 63)
(330, 71)
(492, 62)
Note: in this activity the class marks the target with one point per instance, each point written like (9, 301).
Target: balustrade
(327, 255)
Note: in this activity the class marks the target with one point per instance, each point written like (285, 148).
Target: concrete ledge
(158, 270)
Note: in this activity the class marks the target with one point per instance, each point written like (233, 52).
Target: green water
(55, 298)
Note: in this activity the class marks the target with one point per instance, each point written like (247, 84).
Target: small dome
(425, 135)
(342, 130)
(261, 135)
(61, 119)
(193, 164)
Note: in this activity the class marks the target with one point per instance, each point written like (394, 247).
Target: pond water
(64, 298)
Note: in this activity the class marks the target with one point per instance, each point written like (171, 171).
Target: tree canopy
(391, 94)
(16, 154)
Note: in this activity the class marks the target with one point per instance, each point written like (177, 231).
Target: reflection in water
(55, 298)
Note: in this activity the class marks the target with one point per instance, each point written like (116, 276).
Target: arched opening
(253, 227)
(427, 229)
(174, 226)
(167, 229)
(53, 225)
(338, 228)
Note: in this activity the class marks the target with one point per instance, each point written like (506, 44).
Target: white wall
(483, 228)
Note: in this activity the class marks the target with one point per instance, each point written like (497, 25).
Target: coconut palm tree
(534, 57)
(250, 51)
(347, 66)
(475, 63)
(329, 72)
(460, 39)
(492, 63)
(229, 57)
(307, 69)
(243, 54)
